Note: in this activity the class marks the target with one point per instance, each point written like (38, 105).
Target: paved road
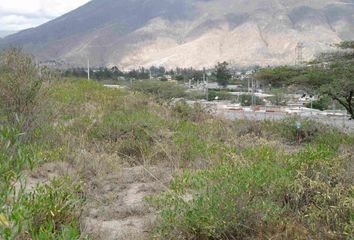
(220, 109)
(339, 122)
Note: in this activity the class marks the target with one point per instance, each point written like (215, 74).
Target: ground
(136, 166)
(117, 209)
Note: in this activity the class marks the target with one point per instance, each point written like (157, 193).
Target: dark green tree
(330, 74)
(222, 74)
(277, 76)
(333, 75)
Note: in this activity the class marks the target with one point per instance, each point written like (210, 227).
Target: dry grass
(125, 146)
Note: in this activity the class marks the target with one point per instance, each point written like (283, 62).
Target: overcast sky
(16, 15)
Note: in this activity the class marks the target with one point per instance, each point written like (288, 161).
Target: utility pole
(252, 94)
(299, 54)
(206, 87)
(88, 69)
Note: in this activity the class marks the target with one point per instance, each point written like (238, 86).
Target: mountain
(185, 33)
(6, 33)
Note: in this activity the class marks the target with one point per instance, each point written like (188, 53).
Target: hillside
(102, 167)
(186, 33)
(79, 160)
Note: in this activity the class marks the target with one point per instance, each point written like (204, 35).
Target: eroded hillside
(190, 32)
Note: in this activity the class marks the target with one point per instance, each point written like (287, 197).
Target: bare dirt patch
(116, 208)
(45, 174)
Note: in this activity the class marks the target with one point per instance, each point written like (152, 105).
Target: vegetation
(48, 211)
(107, 74)
(263, 191)
(160, 89)
(218, 94)
(114, 73)
(279, 76)
(20, 86)
(278, 98)
(320, 104)
(222, 74)
(331, 75)
(232, 179)
(246, 100)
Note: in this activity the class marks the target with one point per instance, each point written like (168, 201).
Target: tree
(320, 104)
(223, 74)
(342, 88)
(333, 75)
(277, 76)
(197, 76)
(179, 78)
(330, 74)
(278, 97)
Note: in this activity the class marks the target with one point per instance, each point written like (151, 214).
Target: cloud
(17, 15)
(18, 22)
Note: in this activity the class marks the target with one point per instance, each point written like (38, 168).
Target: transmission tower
(299, 59)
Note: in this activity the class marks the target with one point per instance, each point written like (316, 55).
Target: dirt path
(116, 208)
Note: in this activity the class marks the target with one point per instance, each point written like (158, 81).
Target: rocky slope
(185, 33)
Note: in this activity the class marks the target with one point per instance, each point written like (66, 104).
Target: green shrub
(246, 100)
(322, 193)
(73, 98)
(194, 113)
(220, 94)
(161, 90)
(320, 104)
(131, 133)
(49, 212)
(222, 202)
(196, 95)
(54, 207)
(20, 87)
(189, 142)
(120, 125)
(287, 129)
(272, 194)
(278, 98)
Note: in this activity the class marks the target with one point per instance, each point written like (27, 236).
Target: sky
(16, 15)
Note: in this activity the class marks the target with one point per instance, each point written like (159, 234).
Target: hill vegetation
(63, 176)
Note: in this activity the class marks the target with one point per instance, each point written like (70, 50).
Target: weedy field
(84, 161)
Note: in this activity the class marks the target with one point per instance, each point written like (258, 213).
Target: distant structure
(299, 58)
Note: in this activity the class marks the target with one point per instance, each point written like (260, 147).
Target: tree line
(104, 73)
(221, 73)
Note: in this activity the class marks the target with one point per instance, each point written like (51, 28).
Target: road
(339, 122)
(220, 109)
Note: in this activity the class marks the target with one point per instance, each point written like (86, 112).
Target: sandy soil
(116, 208)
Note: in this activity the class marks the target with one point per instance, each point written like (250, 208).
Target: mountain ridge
(189, 33)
